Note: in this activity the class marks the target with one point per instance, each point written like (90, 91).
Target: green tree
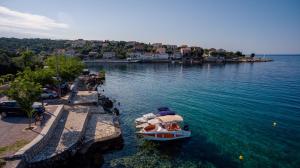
(252, 55)
(239, 54)
(25, 93)
(27, 59)
(7, 78)
(41, 76)
(197, 52)
(6, 63)
(68, 68)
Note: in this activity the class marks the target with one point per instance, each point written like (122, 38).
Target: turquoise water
(230, 109)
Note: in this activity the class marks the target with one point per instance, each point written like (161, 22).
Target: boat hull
(165, 136)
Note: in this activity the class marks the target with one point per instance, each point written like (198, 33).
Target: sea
(241, 115)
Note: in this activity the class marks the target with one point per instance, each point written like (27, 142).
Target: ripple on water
(230, 109)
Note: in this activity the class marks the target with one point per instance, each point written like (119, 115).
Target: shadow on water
(93, 157)
(140, 67)
(170, 154)
(207, 152)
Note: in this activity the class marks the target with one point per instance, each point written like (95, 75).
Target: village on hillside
(128, 51)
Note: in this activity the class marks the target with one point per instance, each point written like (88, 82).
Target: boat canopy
(171, 118)
(163, 109)
(163, 113)
(149, 116)
(154, 121)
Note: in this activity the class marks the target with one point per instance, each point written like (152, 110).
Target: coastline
(177, 61)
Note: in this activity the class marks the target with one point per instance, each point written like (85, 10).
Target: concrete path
(102, 127)
(68, 132)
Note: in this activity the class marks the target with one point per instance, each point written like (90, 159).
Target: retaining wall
(37, 144)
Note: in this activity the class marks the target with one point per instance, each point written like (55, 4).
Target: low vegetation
(102, 74)
(2, 163)
(13, 147)
(26, 86)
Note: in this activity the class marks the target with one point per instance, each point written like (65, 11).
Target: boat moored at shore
(164, 126)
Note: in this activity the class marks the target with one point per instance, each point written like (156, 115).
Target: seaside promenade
(78, 123)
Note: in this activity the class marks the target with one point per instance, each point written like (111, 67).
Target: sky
(259, 26)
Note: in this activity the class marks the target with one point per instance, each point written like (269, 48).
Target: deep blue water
(230, 109)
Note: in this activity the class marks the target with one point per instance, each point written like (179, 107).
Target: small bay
(230, 109)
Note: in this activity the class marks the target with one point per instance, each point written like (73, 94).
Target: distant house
(221, 50)
(78, 43)
(183, 46)
(157, 45)
(96, 43)
(105, 44)
(134, 56)
(109, 55)
(147, 56)
(130, 43)
(171, 47)
(176, 55)
(162, 56)
(113, 42)
(185, 51)
(93, 54)
(138, 47)
(161, 50)
(59, 51)
(69, 53)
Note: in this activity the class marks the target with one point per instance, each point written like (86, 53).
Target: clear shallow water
(230, 109)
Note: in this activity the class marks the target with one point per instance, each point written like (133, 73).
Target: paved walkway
(101, 127)
(67, 132)
(12, 129)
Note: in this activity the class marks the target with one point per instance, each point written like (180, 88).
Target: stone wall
(35, 146)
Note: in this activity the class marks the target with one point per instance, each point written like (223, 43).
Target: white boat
(145, 118)
(164, 128)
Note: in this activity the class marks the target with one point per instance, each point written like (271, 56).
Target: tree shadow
(70, 137)
(23, 119)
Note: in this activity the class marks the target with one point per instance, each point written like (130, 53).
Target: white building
(135, 56)
(93, 54)
(147, 56)
(109, 55)
(162, 56)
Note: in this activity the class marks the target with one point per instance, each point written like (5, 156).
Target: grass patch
(2, 163)
(13, 147)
